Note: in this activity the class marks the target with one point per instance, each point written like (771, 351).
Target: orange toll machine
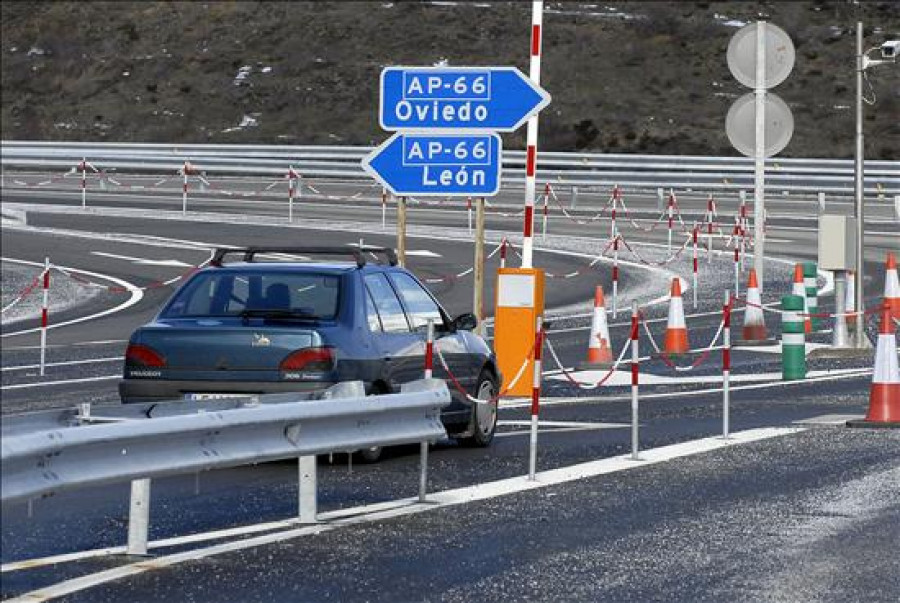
(519, 301)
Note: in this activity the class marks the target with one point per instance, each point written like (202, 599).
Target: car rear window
(233, 294)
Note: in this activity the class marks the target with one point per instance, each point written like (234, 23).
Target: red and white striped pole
(694, 284)
(383, 208)
(537, 18)
(45, 314)
(535, 398)
(745, 224)
(736, 235)
(726, 362)
(546, 210)
(671, 211)
(615, 277)
(184, 189)
(612, 225)
(635, 371)
(291, 175)
(503, 253)
(429, 349)
(469, 211)
(83, 182)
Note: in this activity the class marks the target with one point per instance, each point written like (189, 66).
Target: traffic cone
(850, 299)
(884, 395)
(599, 352)
(754, 320)
(676, 330)
(800, 289)
(892, 286)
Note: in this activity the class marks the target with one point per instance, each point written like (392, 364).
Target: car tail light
(143, 355)
(310, 360)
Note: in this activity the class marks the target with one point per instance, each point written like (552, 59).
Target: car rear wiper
(278, 314)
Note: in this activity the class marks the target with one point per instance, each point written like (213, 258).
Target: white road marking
(142, 261)
(424, 253)
(62, 382)
(409, 506)
(136, 296)
(23, 367)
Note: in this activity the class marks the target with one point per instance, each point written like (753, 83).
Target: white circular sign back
(779, 55)
(740, 124)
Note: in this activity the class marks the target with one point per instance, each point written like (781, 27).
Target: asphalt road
(723, 524)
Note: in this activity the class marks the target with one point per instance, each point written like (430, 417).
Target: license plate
(214, 396)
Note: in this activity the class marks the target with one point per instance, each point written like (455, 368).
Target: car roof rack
(358, 254)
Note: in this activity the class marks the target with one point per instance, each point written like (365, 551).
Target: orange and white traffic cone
(884, 395)
(676, 329)
(892, 286)
(599, 352)
(799, 288)
(754, 320)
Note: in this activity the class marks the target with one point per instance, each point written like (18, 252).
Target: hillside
(641, 77)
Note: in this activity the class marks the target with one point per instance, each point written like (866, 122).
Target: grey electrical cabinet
(837, 242)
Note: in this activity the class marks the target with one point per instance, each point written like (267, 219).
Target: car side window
(372, 314)
(393, 320)
(419, 304)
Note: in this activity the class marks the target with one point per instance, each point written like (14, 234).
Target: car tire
(484, 416)
(373, 454)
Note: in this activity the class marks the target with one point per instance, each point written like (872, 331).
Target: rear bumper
(149, 390)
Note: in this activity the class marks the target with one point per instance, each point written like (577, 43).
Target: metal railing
(53, 451)
(832, 176)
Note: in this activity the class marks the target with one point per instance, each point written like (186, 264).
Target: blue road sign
(438, 164)
(461, 98)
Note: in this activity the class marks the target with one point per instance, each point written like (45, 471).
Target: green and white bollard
(812, 293)
(793, 339)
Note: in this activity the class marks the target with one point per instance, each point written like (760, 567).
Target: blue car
(265, 325)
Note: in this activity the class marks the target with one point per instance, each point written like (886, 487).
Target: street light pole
(860, 340)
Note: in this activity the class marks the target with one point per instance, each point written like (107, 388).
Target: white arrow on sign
(142, 261)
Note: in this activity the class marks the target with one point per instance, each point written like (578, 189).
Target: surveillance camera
(890, 49)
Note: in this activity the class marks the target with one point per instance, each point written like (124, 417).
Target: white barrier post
(660, 199)
(45, 313)
(635, 371)
(535, 399)
(695, 235)
(291, 175)
(671, 219)
(612, 214)
(83, 182)
(711, 210)
(306, 489)
(821, 203)
(615, 276)
(138, 517)
(184, 189)
(383, 208)
(429, 349)
(469, 212)
(726, 363)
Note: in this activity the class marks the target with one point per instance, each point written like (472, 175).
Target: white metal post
(184, 189)
(138, 517)
(45, 313)
(858, 181)
(290, 193)
(537, 18)
(306, 490)
(423, 472)
(83, 182)
(759, 215)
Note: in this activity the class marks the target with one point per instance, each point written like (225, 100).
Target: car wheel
(373, 454)
(370, 455)
(484, 415)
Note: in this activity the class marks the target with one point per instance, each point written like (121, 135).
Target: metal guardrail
(59, 450)
(832, 176)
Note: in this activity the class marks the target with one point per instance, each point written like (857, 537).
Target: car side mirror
(465, 322)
